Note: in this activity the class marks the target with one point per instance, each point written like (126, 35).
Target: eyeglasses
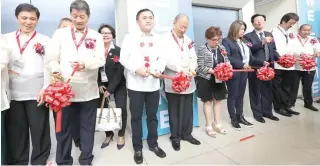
(106, 33)
(215, 40)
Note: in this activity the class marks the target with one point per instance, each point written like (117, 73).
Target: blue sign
(309, 13)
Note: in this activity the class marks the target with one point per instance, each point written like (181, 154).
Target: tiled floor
(294, 140)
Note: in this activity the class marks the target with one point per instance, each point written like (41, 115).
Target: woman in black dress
(111, 80)
(211, 90)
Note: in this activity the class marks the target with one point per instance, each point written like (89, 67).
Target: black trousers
(22, 116)
(282, 89)
(75, 123)
(87, 111)
(3, 139)
(306, 78)
(260, 96)
(236, 89)
(139, 100)
(180, 108)
(120, 96)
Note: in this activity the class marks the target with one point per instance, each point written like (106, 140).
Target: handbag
(108, 119)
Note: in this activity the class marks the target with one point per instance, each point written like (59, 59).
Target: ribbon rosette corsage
(90, 43)
(223, 52)
(39, 48)
(115, 59)
(265, 73)
(313, 41)
(291, 35)
(249, 44)
(307, 62)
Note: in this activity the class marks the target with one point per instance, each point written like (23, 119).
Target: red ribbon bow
(58, 95)
(307, 62)
(287, 61)
(265, 73)
(223, 72)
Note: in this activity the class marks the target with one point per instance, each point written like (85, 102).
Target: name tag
(217, 80)
(104, 77)
(16, 70)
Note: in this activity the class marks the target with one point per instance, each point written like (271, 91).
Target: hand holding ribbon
(58, 95)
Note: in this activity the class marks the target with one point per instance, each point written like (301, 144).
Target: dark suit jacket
(114, 71)
(257, 48)
(234, 54)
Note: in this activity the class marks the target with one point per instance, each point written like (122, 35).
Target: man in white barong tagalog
(28, 78)
(140, 55)
(282, 86)
(180, 57)
(74, 46)
(5, 94)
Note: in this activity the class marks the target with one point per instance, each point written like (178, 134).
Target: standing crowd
(29, 60)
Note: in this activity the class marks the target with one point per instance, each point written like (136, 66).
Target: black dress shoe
(271, 117)
(193, 141)
(175, 145)
(283, 112)
(242, 120)
(312, 108)
(260, 119)
(138, 157)
(158, 151)
(290, 111)
(235, 124)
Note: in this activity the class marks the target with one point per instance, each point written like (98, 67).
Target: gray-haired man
(181, 57)
(71, 46)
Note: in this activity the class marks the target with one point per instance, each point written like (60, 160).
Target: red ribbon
(287, 61)
(75, 40)
(57, 96)
(176, 40)
(25, 44)
(265, 73)
(180, 82)
(307, 62)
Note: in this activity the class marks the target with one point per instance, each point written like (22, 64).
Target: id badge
(217, 80)
(104, 77)
(16, 70)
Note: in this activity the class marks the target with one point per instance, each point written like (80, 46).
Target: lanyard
(175, 38)
(286, 36)
(25, 44)
(74, 37)
(243, 50)
(215, 56)
(301, 41)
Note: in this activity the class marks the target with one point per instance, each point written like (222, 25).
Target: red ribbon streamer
(58, 95)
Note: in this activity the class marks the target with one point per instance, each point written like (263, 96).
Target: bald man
(181, 57)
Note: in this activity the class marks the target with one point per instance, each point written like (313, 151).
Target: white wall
(275, 10)
(121, 20)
